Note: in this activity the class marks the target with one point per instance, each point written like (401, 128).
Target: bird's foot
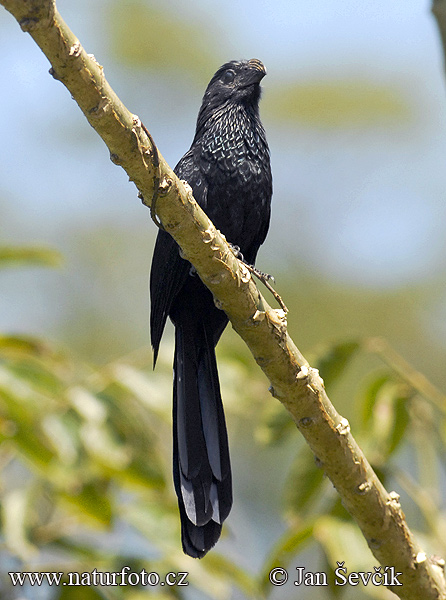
(259, 274)
(236, 250)
(265, 278)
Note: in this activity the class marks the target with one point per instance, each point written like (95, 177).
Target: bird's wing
(169, 271)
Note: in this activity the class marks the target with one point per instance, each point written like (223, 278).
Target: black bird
(228, 168)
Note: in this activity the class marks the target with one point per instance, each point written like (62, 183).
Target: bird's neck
(239, 114)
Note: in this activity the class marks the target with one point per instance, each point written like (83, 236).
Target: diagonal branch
(293, 381)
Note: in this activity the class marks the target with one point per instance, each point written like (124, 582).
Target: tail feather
(213, 419)
(191, 443)
(197, 541)
(202, 472)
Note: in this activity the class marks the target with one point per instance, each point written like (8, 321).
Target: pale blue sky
(368, 204)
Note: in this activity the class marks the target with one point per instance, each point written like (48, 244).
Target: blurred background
(355, 114)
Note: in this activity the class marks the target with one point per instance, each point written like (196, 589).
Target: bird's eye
(228, 76)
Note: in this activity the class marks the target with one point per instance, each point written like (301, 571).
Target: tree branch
(293, 381)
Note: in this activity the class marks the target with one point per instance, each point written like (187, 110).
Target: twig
(406, 371)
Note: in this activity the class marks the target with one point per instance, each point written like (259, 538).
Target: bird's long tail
(201, 466)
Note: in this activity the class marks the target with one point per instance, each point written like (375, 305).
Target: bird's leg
(265, 278)
(156, 184)
(237, 251)
(259, 274)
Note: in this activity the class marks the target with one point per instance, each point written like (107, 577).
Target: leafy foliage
(85, 455)
(400, 425)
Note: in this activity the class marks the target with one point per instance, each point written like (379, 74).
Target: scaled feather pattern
(228, 169)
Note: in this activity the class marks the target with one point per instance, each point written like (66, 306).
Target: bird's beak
(256, 71)
(259, 67)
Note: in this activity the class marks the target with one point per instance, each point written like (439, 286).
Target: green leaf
(384, 416)
(143, 434)
(156, 518)
(342, 541)
(293, 541)
(40, 376)
(401, 421)
(275, 425)
(333, 362)
(35, 256)
(19, 424)
(370, 396)
(72, 593)
(227, 570)
(334, 591)
(92, 501)
(304, 481)
(23, 346)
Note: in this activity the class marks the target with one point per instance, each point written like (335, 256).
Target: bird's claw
(262, 275)
(237, 252)
(259, 274)
(265, 278)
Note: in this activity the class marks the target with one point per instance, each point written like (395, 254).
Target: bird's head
(235, 82)
(238, 81)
